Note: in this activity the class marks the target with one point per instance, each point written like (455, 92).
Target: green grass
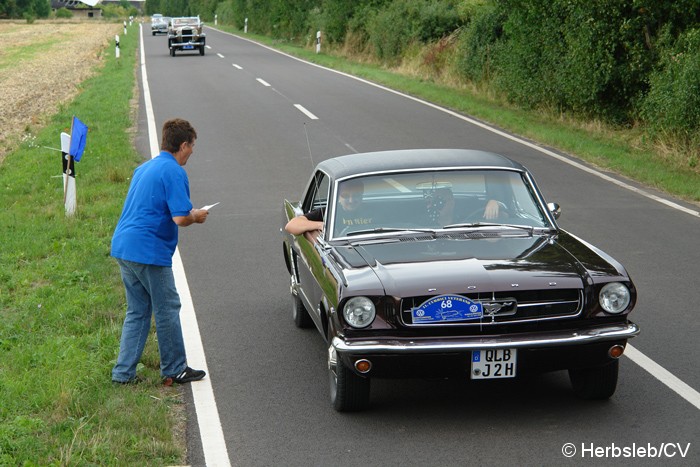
(620, 150)
(62, 302)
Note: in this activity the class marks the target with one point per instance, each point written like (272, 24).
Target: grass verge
(61, 298)
(618, 150)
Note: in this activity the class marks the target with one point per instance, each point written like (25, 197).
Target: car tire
(595, 383)
(300, 314)
(201, 50)
(172, 51)
(349, 392)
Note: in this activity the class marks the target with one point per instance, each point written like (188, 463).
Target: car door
(307, 258)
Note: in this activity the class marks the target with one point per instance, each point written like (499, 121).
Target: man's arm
(301, 224)
(197, 216)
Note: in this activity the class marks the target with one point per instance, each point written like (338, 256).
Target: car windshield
(434, 200)
(179, 22)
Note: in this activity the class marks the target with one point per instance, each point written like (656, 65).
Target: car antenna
(308, 145)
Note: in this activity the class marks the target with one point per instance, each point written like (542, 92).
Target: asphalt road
(270, 378)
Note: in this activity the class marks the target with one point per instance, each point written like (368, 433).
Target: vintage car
(449, 263)
(185, 33)
(159, 25)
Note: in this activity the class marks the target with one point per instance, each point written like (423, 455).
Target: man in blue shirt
(157, 204)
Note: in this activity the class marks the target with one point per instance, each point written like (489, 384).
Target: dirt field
(41, 65)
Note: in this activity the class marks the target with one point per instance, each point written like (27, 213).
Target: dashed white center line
(306, 112)
(263, 82)
(220, 56)
(236, 66)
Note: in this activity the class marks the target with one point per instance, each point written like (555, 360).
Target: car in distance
(186, 33)
(159, 25)
(450, 263)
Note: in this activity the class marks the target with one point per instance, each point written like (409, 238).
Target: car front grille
(502, 308)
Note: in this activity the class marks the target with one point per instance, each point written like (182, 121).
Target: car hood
(413, 267)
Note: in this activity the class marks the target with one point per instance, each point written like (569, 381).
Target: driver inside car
(349, 215)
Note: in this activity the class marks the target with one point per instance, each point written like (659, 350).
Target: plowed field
(41, 66)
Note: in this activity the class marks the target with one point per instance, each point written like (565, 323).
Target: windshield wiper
(388, 229)
(465, 225)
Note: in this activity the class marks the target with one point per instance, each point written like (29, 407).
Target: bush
(477, 43)
(225, 13)
(114, 11)
(673, 101)
(404, 21)
(64, 12)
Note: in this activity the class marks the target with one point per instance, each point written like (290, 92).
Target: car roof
(413, 159)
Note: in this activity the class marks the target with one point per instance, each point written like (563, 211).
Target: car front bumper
(552, 350)
(189, 44)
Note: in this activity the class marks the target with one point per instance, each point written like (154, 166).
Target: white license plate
(496, 363)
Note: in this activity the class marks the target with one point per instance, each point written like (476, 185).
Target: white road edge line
(663, 375)
(306, 112)
(638, 357)
(210, 431)
(262, 81)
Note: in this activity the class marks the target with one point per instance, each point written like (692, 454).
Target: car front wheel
(595, 383)
(349, 392)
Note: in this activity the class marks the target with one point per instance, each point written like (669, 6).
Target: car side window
(317, 195)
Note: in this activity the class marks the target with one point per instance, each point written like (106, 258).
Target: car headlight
(359, 312)
(614, 297)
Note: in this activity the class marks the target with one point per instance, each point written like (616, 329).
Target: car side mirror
(555, 209)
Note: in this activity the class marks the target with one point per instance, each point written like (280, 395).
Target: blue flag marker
(77, 139)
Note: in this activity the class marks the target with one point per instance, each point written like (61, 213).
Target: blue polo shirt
(146, 232)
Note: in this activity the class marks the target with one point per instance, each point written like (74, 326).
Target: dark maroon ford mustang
(449, 263)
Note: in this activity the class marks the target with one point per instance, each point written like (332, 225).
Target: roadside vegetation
(61, 299)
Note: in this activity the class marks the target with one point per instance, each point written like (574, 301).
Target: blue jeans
(150, 290)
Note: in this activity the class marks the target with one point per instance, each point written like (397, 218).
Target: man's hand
(491, 210)
(200, 215)
(197, 216)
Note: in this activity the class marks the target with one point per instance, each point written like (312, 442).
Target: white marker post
(116, 50)
(216, 20)
(318, 41)
(245, 27)
(69, 194)
(125, 28)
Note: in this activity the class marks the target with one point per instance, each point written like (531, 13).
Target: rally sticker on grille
(445, 308)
